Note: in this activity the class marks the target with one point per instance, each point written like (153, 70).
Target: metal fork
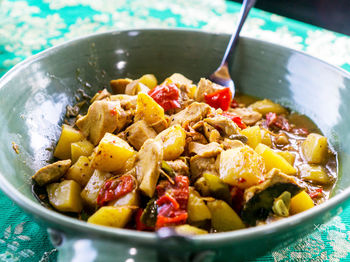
(221, 75)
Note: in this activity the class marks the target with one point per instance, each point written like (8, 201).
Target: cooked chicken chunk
(273, 177)
(126, 102)
(248, 116)
(208, 150)
(179, 166)
(193, 113)
(52, 173)
(103, 116)
(100, 95)
(118, 85)
(199, 165)
(205, 87)
(148, 165)
(138, 133)
(225, 125)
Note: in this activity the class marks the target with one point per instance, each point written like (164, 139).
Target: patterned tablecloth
(29, 26)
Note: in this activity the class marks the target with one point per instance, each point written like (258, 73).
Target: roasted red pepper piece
(172, 202)
(115, 188)
(235, 119)
(272, 120)
(166, 95)
(219, 99)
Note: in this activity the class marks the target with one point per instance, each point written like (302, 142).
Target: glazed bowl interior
(34, 96)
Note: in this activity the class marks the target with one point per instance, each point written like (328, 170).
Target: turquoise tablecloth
(29, 26)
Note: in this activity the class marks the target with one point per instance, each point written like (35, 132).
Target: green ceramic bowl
(34, 94)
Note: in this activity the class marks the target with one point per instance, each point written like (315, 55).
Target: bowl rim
(55, 218)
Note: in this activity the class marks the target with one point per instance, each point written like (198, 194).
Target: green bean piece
(281, 204)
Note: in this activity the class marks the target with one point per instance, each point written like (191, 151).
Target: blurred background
(331, 14)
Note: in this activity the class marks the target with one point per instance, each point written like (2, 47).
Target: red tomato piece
(172, 202)
(115, 188)
(166, 95)
(219, 99)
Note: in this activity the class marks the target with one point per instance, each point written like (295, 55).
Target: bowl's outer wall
(34, 95)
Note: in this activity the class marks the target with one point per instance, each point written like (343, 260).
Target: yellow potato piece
(265, 106)
(111, 154)
(300, 203)
(241, 167)
(289, 156)
(196, 208)
(174, 140)
(68, 136)
(266, 138)
(223, 217)
(188, 230)
(149, 80)
(65, 196)
(315, 148)
(253, 134)
(111, 216)
(149, 110)
(274, 160)
(81, 171)
(81, 148)
(130, 199)
(92, 189)
(314, 173)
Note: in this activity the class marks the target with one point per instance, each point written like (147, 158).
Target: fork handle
(246, 6)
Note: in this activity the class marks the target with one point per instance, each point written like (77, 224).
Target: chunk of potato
(149, 80)
(241, 167)
(289, 156)
(315, 148)
(191, 91)
(111, 216)
(81, 171)
(91, 190)
(196, 208)
(65, 196)
(217, 188)
(188, 230)
(130, 199)
(314, 173)
(174, 140)
(68, 136)
(81, 148)
(300, 203)
(150, 111)
(223, 217)
(265, 106)
(253, 134)
(274, 160)
(266, 138)
(111, 154)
